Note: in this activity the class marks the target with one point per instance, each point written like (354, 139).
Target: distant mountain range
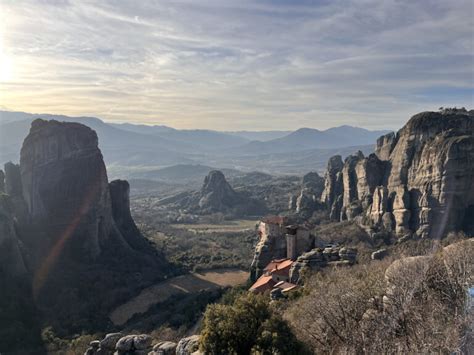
(138, 151)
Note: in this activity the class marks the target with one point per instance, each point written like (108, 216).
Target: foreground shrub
(413, 305)
(249, 326)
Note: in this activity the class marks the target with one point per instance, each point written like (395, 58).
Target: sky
(237, 64)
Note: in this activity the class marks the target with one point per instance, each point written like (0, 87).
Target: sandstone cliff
(217, 196)
(420, 180)
(307, 201)
(81, 245)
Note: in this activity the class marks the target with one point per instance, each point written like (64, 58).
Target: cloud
(239, 65)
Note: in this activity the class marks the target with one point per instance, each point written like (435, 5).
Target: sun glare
(6, 65)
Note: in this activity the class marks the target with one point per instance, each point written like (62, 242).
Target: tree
(249, 326)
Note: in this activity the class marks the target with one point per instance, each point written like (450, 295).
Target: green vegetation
(202, 247)
(414, 305)
(248, 326)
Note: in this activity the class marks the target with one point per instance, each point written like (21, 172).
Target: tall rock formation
(420, 180)
(11, 260)
(333, 187)
(217, 196)
(81, 244)
(312, 186)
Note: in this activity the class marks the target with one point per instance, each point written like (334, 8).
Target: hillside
(131, 150)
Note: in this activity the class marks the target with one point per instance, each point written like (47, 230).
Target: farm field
(225, 227)
(183, 284)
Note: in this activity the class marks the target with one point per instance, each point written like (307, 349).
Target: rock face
(188, 346)
(216, 193)
(65, 185)
(2, 181)
(11, 261)
(420, 180)
(271, 244)
(76, 229)
(307, 201)
(318, 258)
(332, 193)
(217, 196)
(120, 344)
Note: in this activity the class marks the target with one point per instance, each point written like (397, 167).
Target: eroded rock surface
(76, 230)
(420, 180)
(312, 186)
(217, 196)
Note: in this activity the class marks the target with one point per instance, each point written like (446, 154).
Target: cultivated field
(225, 227)
(190, 283)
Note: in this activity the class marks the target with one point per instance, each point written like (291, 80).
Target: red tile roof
(279, 266)
(264, 283)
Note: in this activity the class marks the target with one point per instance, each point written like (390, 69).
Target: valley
(236, 177)
(159, 254)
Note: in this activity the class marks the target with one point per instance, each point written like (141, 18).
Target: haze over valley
(252, 177)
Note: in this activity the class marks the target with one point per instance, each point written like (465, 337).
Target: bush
(249, 326)
(413, 305)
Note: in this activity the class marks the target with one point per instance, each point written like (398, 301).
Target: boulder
(125, 343)
(165, 348)
(311, 260)
(142, 342)
(379, 254)
(187, 346)
(137, 343)
(349, 254)
(94, 344)
(110, 340)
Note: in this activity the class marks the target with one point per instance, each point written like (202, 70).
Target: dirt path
(189, 283)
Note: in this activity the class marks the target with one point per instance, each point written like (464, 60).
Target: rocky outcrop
(433, 161)
(76, 230)
(14, 189)
(120, 199)
(11, 260)
(318, 258)
(164, 348)
(2, 181)
(188, 346)
(379, 254)
(271, 244)
(141, 344)
(420, 180)
(312, 186)
(217, 196)
(333, 187)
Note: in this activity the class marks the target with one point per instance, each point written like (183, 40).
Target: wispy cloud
(239, 64)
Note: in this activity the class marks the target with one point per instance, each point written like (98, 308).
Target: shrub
(249, 326)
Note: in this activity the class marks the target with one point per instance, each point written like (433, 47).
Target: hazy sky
(237, 64)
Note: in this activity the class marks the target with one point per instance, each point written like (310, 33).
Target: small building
(272, 226)
(277, 272)
(279, 269)
(298, 241)
(264, 283)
